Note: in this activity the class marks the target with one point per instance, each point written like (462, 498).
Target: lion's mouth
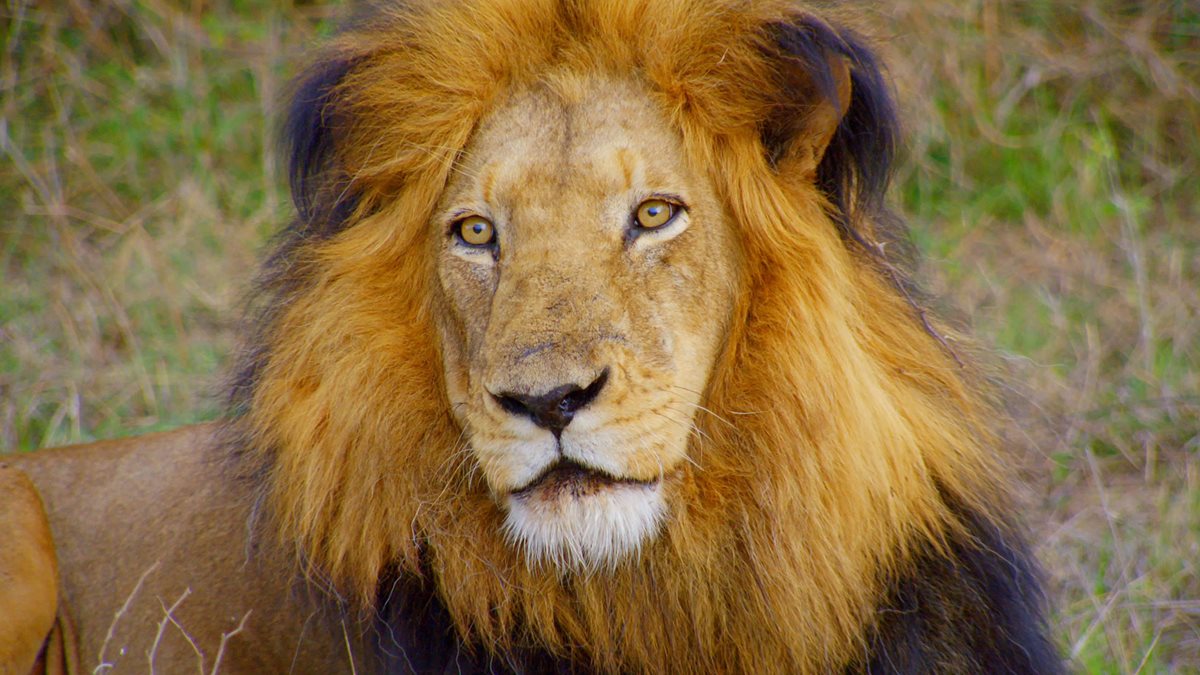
(569, 478)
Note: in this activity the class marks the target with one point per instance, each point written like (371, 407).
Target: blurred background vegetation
(1050, 176)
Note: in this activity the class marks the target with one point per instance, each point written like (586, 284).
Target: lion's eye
(476, 231)
(654, 213)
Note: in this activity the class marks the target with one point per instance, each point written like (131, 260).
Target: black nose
(554, 409)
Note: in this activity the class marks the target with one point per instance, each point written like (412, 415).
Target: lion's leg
(28, 574)
(58, 652)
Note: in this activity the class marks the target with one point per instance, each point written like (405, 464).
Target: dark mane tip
(318, 187)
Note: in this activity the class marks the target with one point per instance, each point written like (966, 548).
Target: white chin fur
(588, 532)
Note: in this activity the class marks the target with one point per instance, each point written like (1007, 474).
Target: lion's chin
(574, 520)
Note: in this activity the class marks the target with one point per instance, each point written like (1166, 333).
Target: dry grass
(1053, 182)
(137, 186)
(1051, 178)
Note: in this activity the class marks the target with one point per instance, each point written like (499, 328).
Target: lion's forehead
(541, 156)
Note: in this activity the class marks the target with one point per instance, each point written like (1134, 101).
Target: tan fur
(157, 566)
(834, 415)
(28, 573)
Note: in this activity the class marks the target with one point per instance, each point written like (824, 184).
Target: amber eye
(476, 231)
(654, 213)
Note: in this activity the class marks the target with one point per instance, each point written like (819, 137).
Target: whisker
(690, 427)
(700, 407)
(687, 425)
(459, 447)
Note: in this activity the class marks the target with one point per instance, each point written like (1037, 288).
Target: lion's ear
(833, 120)
(813, 92)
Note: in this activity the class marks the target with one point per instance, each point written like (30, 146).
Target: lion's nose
(554, 409)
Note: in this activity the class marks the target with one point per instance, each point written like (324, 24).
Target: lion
(591, 349)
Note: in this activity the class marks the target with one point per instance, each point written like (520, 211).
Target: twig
(102, 666)
(225, 640)
(162, 626)
(192, 642)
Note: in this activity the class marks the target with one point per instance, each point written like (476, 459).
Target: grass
(1050, 176)
(1052, 182)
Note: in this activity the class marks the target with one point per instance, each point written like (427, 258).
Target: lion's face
(588, 273)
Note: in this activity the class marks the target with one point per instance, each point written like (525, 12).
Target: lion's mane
(844, 446)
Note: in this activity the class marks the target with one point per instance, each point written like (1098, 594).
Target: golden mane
(840, 435)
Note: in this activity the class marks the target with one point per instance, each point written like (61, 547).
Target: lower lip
(575, 482)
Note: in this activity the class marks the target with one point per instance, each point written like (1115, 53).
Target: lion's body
(496, 407)
(151, 526)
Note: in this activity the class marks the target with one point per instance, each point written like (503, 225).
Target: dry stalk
(103, 666)
(162, 626)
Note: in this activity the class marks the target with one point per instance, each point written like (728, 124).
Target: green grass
(1050, 177)
(1052, 184)
(138, 183)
